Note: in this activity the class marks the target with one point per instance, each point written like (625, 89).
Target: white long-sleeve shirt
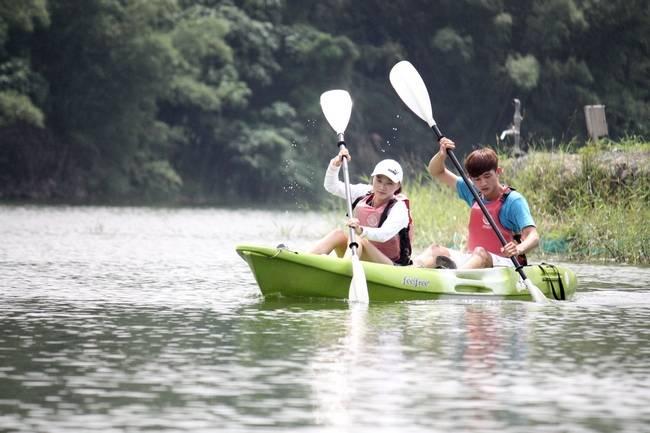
(397, 219)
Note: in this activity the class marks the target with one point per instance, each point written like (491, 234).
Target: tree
(107, 62)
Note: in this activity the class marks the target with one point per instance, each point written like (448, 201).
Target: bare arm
(529, 241)
(437, 167)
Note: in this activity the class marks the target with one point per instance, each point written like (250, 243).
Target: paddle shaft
(348, 194)
(487, 215)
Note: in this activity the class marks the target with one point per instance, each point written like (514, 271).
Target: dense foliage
(217, 100)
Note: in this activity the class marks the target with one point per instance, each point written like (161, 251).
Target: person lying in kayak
(381, 216)
(508, 209)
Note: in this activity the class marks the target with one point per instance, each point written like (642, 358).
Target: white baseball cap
(389, 168)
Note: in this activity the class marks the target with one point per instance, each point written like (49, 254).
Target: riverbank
(590, 204)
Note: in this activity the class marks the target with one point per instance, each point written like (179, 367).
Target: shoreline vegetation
(216, 102)
(590, 204)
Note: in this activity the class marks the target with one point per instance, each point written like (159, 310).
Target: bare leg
(370, 253)
(336, 240)
(427, 258)
(480, 259)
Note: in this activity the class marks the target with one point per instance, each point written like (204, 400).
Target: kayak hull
(281, 272)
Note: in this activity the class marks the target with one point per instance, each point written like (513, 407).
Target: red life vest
(397, 248)
(481, 233)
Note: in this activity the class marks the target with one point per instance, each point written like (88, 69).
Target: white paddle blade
(410, 87)
(535, 292)
(337, 108)
(358, 285)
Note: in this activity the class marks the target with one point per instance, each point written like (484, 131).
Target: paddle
(337, 108)
(410, 87)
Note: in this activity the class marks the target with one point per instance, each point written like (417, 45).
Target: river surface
(136, 319)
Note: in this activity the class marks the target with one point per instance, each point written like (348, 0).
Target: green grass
(439, 216)
(592, 204)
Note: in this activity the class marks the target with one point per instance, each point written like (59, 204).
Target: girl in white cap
(381, 215)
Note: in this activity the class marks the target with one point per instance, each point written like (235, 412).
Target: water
(133, 319)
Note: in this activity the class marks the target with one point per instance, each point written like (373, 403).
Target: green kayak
(282, 272)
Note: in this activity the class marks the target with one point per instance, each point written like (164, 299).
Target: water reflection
(138, 319)
(334, 366)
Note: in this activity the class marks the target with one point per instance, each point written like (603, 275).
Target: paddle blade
(535, 292)
(337, 108)
(410, 87)
(358, 285)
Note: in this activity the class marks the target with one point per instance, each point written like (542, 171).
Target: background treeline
(194, 101)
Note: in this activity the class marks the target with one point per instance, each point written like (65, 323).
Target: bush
(592, 204)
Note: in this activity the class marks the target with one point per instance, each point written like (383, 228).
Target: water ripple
(128, 319)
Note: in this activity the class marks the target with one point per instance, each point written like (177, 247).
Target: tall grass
(590, 204)
(439, 216)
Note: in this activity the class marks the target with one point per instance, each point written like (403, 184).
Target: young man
(508, 209)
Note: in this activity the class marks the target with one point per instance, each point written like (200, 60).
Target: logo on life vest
(373, 220)
(486, 223)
